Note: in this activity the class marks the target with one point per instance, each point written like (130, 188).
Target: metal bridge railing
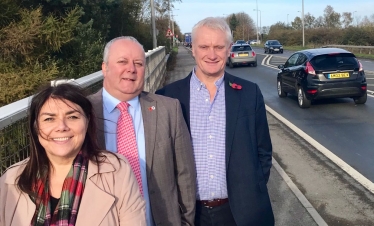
(14, 142)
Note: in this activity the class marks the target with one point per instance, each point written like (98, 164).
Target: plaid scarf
(66, 211)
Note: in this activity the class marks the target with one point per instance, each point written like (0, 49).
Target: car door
(288, 73)
(299, 69)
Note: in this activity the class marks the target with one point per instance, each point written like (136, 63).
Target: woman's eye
(48, 119)
(73, 117)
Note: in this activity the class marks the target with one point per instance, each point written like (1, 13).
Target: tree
(309, 21)
(233, 22)
(347, 19)
(319, 22)
(297, 24)
(331, 18)
(245, 27)
(27, 48)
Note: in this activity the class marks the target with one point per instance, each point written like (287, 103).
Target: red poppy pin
(152, 108)
(235, 86)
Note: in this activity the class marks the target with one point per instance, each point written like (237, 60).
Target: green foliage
(233, 22)
(27, 46)
(20, 81)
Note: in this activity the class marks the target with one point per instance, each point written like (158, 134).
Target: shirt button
(211, 176)
(210, 156)
(210, 117)
(212, 193)
(210, 136)
(206, 99)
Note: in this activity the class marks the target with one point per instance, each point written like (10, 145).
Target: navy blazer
(248, 147)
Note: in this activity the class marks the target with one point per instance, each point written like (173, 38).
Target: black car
(322, 73)
(273, 46)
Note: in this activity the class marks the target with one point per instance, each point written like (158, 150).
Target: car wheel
(264, 50)
(254, 64)
(301, 98)
(281, 51)
(361, 100)
(281, 92)
(231, 65)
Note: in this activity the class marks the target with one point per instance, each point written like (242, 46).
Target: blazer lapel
(24, 208)
(19, 205)
(184, 98)
(149, 114)
(97, 104)
(233, 99)
(95, 203)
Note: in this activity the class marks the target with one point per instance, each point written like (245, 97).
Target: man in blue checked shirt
(226, 117)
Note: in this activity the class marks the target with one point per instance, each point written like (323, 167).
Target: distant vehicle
(273, 46)
(240, 42)
(253, 42)
(187, 39)
(322, 73)
(242, 54)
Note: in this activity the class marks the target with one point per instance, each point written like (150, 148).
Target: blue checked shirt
(208, 131)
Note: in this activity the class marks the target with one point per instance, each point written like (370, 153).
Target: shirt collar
(110, 102)
(195, 81)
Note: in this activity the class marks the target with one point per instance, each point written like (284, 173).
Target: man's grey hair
(109, 44)
(213, 23)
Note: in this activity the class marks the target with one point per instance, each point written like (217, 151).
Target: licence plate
(276, 49)
(338, 75)
(243, 54)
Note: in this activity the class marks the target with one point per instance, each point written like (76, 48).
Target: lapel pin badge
(152, 108)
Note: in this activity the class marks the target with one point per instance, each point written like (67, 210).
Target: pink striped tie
(126, 141)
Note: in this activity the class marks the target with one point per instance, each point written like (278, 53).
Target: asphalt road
(338, 124)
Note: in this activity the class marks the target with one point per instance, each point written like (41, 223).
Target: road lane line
(299, 195)
(263, 60)
(338, 161)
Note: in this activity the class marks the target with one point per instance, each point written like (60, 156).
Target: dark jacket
(248, 147)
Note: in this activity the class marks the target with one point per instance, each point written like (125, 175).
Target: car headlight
(281, 47)
(271, 48)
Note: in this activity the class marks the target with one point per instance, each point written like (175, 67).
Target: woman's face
(62, 128)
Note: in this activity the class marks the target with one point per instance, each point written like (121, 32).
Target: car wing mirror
(281, 66)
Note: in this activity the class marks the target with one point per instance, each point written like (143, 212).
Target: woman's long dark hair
(38, 165)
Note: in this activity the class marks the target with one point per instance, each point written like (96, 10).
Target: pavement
(290, 206)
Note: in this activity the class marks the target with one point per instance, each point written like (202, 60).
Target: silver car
(242, 54)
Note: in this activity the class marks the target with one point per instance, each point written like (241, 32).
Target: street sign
(169, 33)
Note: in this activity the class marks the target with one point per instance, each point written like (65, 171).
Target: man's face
(210, 48)
(125, 69)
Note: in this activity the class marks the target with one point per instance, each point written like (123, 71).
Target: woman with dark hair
(68, 180)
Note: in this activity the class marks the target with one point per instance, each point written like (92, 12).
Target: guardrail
(14, 141)
(355, 49)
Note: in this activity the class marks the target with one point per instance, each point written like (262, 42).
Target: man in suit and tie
(161, 153)
(230, 135)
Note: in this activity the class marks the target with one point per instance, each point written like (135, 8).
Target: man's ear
(103, 68)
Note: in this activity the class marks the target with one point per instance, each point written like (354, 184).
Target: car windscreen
(340, 61)
(274, 43)
(241, 48)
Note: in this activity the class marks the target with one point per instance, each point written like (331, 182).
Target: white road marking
(343, 165)
(300, 196)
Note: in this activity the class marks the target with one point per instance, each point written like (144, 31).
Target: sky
(188, 12)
